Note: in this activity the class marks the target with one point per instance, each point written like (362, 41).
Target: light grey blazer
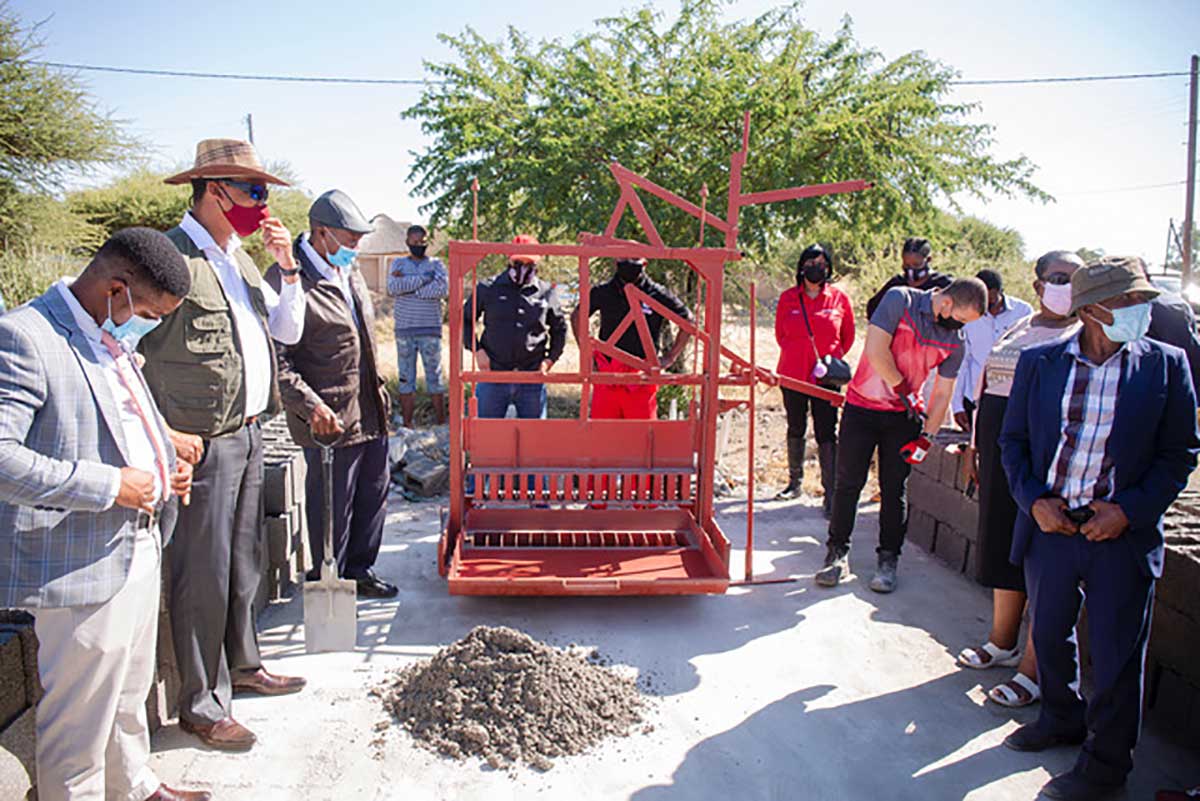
(61, 450)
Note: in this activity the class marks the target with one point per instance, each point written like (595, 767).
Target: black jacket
(1172, 321)
(522, 325)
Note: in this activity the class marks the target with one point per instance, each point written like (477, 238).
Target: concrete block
(279, 539)
(1181, 577)
(922, 530)
(943, 503)
(951, 547)
(21, 622)
(1173, 639)
(972, 567)
(950, 469)
(278, 488)
(12, 677)
(18, 768)
(426, 477)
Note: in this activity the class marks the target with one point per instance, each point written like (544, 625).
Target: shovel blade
(330, 615)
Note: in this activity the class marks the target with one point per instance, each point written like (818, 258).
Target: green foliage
(49, 127)
(25, 275)
(539, 122)
(139, 198)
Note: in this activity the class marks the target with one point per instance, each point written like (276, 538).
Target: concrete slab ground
(779, 692)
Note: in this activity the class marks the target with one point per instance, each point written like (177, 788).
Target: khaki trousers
(97, 665)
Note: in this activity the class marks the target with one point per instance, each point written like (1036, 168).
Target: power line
(230, 76)
(1069, 79)
(1124, 188)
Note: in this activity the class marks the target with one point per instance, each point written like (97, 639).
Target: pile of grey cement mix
(507, 698)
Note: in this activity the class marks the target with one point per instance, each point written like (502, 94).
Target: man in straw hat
(211, 367)
(1098, 440)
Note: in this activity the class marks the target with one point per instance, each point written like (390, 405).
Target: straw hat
(226, 158)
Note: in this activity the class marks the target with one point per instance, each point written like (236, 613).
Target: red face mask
(245, 219)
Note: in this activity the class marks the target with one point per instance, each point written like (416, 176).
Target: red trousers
(622, 401)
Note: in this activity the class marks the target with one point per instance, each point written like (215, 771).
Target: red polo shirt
(919, 345)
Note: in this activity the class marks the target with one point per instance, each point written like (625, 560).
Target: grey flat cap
(337, 210)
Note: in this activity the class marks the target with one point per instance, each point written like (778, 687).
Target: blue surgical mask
(130, 332)
(1129, 324)
(343, 257)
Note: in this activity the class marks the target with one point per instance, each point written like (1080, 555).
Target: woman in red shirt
(813, 320)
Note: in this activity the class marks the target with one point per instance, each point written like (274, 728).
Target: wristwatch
(290, 273)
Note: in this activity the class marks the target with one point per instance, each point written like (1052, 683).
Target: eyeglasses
(1058, 279)
(256, 192)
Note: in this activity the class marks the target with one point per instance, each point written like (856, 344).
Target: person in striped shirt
(418, 284)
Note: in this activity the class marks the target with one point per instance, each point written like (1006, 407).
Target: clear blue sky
(1088, 140)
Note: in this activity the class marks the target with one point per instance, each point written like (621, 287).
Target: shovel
(330, 603)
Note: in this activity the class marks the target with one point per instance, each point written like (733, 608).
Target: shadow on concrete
(878, 748)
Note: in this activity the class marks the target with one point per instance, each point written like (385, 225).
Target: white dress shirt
(285, 313)
(981, 336)
(142, 454)
(336, 275)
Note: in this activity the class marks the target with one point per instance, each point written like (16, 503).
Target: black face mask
(913, 274)
(949, 323)
(814, 273)
(629, 271)
(417, 250)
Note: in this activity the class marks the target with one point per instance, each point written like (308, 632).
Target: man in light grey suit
(86, 467)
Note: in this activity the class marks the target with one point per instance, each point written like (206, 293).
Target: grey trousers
(215, 559)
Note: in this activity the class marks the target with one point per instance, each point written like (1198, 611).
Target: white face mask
(1057, 298)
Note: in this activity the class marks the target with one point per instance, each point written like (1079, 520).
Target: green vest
(194, 363)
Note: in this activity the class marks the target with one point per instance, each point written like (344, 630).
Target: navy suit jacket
(1153, 444)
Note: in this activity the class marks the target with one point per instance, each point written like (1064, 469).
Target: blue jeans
(530, 400)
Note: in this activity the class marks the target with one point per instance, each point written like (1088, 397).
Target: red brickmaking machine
(607, 507)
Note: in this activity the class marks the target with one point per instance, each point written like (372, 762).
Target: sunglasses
(256, 192)
(1058, 279)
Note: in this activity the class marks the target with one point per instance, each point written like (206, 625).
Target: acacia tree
(49, 126)
(538, 123)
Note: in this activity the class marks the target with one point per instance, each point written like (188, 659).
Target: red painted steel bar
(750, 440)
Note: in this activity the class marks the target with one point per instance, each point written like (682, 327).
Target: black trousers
(1059, 572)
(215, 559)
(862, 432)
(360, 485)
(824, 415)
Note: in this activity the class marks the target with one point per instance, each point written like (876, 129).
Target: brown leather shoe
(165, 793)
(226, 735)
(261, 682)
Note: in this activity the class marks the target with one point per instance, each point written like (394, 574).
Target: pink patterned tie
(127, 380)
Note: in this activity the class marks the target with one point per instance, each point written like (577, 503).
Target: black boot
(795, 453)
(828, 458)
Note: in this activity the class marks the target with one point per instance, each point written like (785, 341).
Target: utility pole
(1189, 212)
(249, 119)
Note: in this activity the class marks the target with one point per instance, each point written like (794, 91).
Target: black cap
(337, 210)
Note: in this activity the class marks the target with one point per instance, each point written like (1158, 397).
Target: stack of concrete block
(1173, 668)
(20, 690)
(420, 460)
(286, 531)
(942, 519)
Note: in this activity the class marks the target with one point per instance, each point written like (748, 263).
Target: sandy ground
(778, 691)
